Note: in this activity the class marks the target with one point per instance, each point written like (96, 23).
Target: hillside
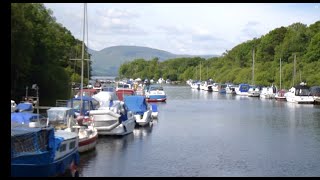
(107, 61)
(296, 41)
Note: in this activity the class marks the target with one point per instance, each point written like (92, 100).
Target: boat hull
(45, 170)
(156, 98)
(87, 144)
(145, 119)
(124, 128)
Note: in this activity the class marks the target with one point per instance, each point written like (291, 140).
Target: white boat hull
(154, 115)
(300, 99)
(117, 128)
(88, 142)
(145, 119)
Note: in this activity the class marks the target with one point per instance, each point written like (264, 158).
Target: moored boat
(63, 118)
(242, 89)
(140, 109)
(280, 95)
(315, 92)
(38, 150)
(113, 116)
(156, 93)
(299, 94)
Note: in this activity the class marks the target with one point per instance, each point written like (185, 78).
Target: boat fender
(74, 170)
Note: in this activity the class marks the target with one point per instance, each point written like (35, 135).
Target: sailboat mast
(253, 66)
(88, 63)
(200, 71)
(207, 72)
(280, 73)
(196, 72)
(294, 70)
(82, 57)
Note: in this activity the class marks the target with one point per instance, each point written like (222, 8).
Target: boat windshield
(154, 88)
(303, 92)
(123, 86)
(56, 115)
(76, 105)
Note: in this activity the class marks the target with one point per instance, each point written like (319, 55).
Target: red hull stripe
(156, 100)
(88, 141)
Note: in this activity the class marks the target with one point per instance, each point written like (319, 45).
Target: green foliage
(40, 53)
(235, 65)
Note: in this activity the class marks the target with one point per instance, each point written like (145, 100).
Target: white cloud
(203, 28)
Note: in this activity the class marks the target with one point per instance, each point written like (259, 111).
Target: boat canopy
(136, 104)
(60, 114)
(106, 98)
(244, 87)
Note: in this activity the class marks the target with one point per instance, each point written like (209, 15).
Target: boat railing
(61, 103)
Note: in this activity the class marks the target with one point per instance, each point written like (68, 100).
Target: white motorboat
(113, 116)
(140, 109)
(242, 89)
(268, 92)
(299, 94)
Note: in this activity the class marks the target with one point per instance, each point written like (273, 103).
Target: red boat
(280, 95)
(124, 90)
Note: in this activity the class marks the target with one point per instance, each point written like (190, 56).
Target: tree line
(235, 65)
(41, 50)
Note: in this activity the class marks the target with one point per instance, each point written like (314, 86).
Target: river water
(202, 133)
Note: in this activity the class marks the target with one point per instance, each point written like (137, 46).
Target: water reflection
(210, 134)
(141, 132)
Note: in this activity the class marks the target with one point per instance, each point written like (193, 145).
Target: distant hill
(106, 62)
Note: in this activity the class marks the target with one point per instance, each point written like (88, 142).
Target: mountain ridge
(107, 61)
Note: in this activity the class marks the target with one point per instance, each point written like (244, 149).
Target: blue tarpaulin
(28, 148)
(24, 107)
(24, 117)
(136, 104)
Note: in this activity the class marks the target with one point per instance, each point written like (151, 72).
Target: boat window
(56, 115)
(95, 104)
(86, 105)
(72, 145)
(76, 104)
(63, 147)
(304, 92)
(153, 88)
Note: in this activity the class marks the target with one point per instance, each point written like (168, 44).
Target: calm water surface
(209, 134)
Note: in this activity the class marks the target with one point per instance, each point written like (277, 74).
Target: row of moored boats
(301, 93)
(49, 145)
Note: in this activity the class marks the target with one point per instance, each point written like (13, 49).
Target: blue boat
(242, 89)
(38, 150)
(140, 109)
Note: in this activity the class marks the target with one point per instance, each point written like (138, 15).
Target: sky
(180, 28)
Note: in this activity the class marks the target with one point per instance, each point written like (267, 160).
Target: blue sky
(180, 28)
